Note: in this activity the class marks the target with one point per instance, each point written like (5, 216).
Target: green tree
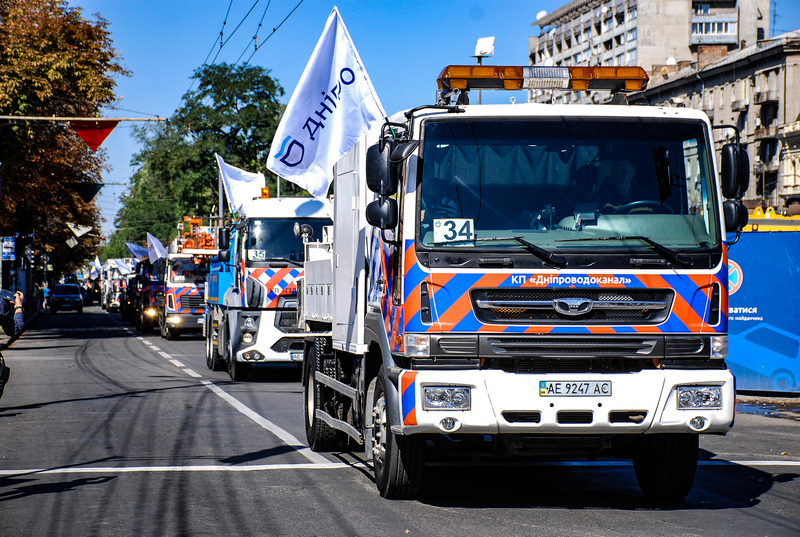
(52, 63)
(234, 112)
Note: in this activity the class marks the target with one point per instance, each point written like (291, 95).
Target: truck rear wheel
(398, 460)
(665, 465)
(320, 435)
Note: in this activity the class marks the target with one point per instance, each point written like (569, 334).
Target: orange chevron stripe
(463, 306)
(681, 308)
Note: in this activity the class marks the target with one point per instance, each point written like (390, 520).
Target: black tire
(238, 371)
(665, 465)
(213, 359)
(320, 435)
(398, 460)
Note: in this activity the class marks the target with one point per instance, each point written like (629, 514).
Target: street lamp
(484, 49)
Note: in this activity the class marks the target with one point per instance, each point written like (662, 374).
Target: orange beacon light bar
(467, 77)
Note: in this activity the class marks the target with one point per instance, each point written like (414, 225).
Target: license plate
(296, 356)
(561, 388)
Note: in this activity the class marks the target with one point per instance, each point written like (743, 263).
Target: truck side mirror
(224, 238)
(382, 213)
(735, 171)
(736, 215)
(224, 255)
(381, 172)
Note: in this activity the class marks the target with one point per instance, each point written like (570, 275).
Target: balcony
(740, 105)
(764, 97)
(765, 132)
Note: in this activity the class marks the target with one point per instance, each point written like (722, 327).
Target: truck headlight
(693, 397)
(445, 398)
(247, 338)
(174, 319)
(150, 312)
(418, 345)
(249, 322)
(719, 347)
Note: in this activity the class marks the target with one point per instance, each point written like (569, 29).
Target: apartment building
(757, 88)
(649, 33)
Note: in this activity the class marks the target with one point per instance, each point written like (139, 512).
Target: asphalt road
(105, 432)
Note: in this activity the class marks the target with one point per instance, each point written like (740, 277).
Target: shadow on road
(583, 485)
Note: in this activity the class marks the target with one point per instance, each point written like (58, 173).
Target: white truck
(490, 291)
(251, 294)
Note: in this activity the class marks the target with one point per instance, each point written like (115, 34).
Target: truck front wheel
(320, 435)
(665, 465)
(398, 460)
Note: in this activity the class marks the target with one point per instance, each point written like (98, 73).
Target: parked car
(66, 296)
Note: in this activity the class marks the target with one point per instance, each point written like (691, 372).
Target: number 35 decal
(453, 230)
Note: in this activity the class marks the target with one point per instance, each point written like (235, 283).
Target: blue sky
(404, 44)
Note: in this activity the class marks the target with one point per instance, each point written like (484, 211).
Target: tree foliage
(53, 62)
(233, 112)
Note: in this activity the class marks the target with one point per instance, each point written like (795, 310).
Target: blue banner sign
(8, 244)
(764, 311)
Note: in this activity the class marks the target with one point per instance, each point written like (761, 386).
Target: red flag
(94, 132)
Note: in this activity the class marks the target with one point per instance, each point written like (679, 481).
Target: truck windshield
(272, 239)
(551, 181)
(187, 271)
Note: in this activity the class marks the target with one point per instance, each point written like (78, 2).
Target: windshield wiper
(663, 251)
(283, 260)
(551, 259)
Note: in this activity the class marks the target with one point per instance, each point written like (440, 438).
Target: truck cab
(251, 304)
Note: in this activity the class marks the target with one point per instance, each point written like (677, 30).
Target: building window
(587, 35)
(577, 38)
(608, 24)
(577, 58)
(701, 9)
(631, 35)
(631, 60)
(631, 13)
(621, 59)
(713, 28)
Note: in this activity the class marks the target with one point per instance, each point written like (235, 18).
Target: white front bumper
(494, 392)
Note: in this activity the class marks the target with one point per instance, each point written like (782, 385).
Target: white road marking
(199, 468)
(283, 435)
(286, 436)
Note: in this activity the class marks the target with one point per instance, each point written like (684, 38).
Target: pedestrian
(45, 295)
(12, 321)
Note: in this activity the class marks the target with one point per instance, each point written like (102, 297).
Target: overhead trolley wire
(255, 37)
(273, 31)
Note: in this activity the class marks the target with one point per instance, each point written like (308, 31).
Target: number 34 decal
(453, 230)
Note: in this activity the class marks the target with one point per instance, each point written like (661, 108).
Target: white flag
(97, 268)
(240, 186)
(333, 105)
(122, 265)
(155, 249)
(79, 231)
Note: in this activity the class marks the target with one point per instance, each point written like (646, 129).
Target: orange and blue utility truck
(526, 281)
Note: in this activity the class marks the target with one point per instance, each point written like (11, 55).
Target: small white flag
(78, 230)
(97, 268)
(240, 186)
(122, 265)
(333, 105)
(72, 242)
(155, 250)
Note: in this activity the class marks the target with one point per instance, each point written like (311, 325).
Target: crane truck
(489, 294)
(251, 295)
